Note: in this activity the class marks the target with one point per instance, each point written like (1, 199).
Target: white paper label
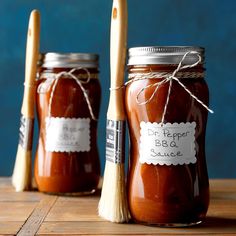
(170, 144)
(67, 134)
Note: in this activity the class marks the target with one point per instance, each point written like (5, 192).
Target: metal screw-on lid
(69, 60)
(163, 55)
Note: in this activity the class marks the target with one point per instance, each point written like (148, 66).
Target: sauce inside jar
(68, 171)
(170, 194)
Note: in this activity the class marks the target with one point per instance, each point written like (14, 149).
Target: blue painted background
(83, 26)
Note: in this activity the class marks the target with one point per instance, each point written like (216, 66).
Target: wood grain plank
(75, 209)
(10, 228)
(78, 198)
(222, 185)
(34, 221)
(223, 209)
(20, 196)
(8, 193)
(223, 196)
(52, 215)
(5, 182)
(224, 226)
(78, 216)
(16, 211)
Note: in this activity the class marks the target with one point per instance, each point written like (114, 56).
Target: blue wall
(83, 26)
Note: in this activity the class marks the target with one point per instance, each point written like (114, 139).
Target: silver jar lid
(68, 60)
(163, 55)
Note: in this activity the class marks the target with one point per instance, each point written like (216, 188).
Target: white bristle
(113, 205)
(21, 177)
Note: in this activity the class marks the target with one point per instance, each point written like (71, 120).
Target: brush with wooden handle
(113, 204)
(21, 178)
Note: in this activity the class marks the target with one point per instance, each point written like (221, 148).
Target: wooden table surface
(34, 213)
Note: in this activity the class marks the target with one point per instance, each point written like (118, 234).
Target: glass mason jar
(167, 177)
(67, 102)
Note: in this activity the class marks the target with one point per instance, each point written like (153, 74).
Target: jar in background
(167, 177)
(67, 102)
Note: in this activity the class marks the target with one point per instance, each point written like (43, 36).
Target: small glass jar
(67, 103)
(167, 177)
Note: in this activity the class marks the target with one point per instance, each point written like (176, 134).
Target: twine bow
(170, 79)
(80, 82)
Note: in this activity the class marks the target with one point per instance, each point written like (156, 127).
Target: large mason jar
(166, 104)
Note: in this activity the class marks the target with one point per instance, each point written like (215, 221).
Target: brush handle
(32, 48)
(117, 59)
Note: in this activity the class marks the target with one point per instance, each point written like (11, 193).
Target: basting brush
(113, 204)
(21, 177)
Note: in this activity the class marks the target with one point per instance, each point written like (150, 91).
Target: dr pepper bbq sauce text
(167, 177)
(68, 103)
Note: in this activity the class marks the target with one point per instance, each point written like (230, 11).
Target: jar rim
(68, 60)
(151, 55)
